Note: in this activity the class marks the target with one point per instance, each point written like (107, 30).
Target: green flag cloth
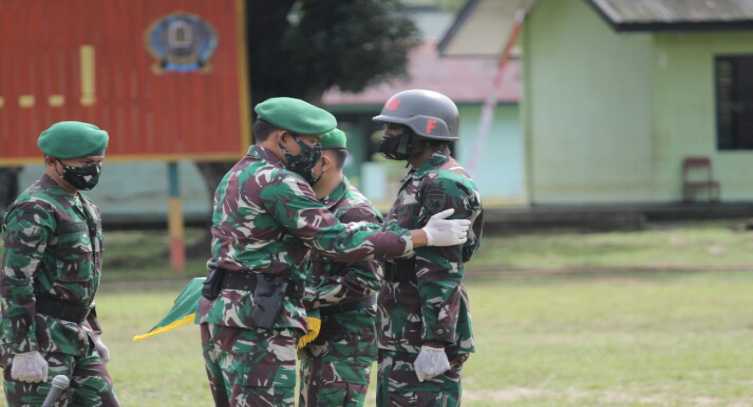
(182, 313)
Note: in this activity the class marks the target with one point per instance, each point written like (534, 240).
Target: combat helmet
(428, 113)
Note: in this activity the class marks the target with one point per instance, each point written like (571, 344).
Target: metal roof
(676, 15)
(464, 80)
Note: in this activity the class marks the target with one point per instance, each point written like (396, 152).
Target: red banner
(166, 78)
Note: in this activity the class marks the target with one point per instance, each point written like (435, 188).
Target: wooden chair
(698, 177)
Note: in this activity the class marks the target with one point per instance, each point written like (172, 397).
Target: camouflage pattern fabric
(262, 215)
(265, 220)
(335, 368)
(397, 385)
(435, 306)
(53, 247)
(91, 385)
(250, 368)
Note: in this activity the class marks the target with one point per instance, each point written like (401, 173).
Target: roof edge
(699, 26)
(680, 25)
(460, 20)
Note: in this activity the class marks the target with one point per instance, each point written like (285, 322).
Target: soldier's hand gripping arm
(28, 227)
(441, 231)
(294, 206)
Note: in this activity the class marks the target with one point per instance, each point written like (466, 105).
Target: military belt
(400, 271)
(239, 280)
(60, 309)
(348, 306)
(248, 280)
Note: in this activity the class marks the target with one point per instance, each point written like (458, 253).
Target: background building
(619, 93)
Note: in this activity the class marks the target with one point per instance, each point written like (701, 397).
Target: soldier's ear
(326, 163)
(286, 137)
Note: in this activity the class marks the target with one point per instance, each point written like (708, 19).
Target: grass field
(561, 319)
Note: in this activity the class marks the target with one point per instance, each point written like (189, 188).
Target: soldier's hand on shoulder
(441, 231)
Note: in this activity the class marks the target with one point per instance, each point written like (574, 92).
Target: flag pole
(490, 102)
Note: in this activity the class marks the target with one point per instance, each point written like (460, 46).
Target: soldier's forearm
(418, 237)
(19, 307)
(364, 280)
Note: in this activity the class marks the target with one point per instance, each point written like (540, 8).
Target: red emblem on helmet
(393, 104)
(431, 124)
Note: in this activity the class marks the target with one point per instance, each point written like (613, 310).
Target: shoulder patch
(434, 198)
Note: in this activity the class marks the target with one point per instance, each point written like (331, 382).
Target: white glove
(102, 349)
(441, 231)
(29, 367)
(431, 362)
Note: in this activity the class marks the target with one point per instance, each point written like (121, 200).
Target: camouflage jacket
(331, 283)
(265, 220)
(53, 246)
(435, 306)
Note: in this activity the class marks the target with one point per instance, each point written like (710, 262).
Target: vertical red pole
(490, 102)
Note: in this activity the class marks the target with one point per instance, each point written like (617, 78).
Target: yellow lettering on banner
(87, 75)
(2, 102)
(26, 101)
(56, 100)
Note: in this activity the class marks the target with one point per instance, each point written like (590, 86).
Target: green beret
(334, 139)
(296, 116)
(72, 139)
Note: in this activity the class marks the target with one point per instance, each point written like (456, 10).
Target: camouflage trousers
(332, 375)
(250, 368)
(398, 386)
(91, 385)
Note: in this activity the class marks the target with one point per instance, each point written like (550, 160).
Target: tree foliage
(301, 48)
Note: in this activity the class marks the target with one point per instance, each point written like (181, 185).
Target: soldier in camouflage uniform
(266, 218)
(424, 317)
(51, 271)
(335, 368)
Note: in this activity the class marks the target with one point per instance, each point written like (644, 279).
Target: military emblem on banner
(181, 42)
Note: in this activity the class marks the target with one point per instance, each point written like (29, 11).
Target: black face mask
(303, 164)
(83, 178)
(397, 146)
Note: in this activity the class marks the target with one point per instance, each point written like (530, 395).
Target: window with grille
(734, 102)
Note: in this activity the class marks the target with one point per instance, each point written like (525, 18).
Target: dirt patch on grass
(571, 395)
(508, 395)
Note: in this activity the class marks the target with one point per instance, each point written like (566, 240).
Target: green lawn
(697, 246)
(613, 338)
(607, 336)
(716, 245)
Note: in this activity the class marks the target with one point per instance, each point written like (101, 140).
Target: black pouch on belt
(213, 284)
(268, 295)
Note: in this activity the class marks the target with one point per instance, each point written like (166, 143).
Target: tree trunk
(9, 188)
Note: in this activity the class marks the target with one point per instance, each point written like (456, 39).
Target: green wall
(138, 190)
(608, 117)
(685, 111)
(497, 163)
(587, 107)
